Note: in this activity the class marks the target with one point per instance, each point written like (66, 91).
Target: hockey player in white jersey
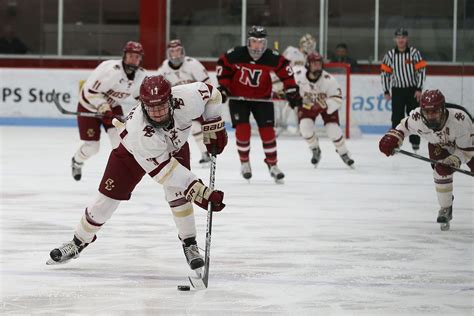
(154, 141)
(181, 69)
(107, 87)
(321, 95)
(297, 57)
(449, 131)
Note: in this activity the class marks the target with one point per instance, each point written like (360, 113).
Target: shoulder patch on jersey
(459, 116)
(117, 67)
(275, 52)
(189, 59)
(230, 50)
(415, 115)
(460, 108)
(327, 76)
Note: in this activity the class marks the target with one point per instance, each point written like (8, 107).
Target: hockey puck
(184, 288)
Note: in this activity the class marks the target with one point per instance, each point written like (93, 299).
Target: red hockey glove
(443, 166)
(107, 113)
(214, 135)
(201, 195)
(390, 141)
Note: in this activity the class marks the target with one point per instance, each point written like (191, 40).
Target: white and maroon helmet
(433, 109)
(156, 100)
(175, 46)
(132, 47)
(314, 57)
(307, 43)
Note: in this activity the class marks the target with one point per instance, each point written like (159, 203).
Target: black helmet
(259, 34)
(257, 31)
(401, 32)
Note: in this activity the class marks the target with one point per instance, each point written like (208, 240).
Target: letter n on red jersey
(250, 77)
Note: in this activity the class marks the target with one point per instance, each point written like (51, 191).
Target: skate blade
(445, 226)
(280, 181)
(197, 281)
(51, 262)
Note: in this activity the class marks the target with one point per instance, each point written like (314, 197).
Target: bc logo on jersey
(250, 77)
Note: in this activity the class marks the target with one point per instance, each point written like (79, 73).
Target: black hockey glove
(293, 97)
(224, 92)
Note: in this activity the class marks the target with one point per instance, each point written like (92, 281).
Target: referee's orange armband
(420, 64)
(386, 68)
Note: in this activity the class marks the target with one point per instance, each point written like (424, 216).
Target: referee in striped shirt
(403, 75)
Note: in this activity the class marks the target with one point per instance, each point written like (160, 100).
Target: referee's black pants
(403, 101)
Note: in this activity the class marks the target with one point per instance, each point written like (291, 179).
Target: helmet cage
(132, 47)
(256, 53)
(433, 109)
(308, 43)
(175, 61)
(433, 118)
(159, 115)
(312, 58)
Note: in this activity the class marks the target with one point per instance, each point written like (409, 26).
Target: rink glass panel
(99, 28)
(33, 22)
(206, 28)
(351, 23)
(429, 24)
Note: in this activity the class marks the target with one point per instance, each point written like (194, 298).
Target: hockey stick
(407, 153)
(85, 114)
(253, 99)
(67, 112)
(202, 280)
(207, 252)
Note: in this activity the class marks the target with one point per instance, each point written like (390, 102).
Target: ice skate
(246, 170)
(276, 173)
(205, 159)
(316, 156)
(76, 169)
(348, 160)
(445, 215)
(67, 251)
(191, 252)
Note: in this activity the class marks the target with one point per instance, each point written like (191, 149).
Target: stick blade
(197, 282)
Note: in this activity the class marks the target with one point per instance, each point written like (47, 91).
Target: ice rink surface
(330, 241)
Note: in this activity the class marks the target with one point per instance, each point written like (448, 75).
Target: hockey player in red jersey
(449, 131)
(154, 142)
(107, 87)
(244, 71)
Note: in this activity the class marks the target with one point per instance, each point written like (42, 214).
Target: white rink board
(20, 93)
(330, 241)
